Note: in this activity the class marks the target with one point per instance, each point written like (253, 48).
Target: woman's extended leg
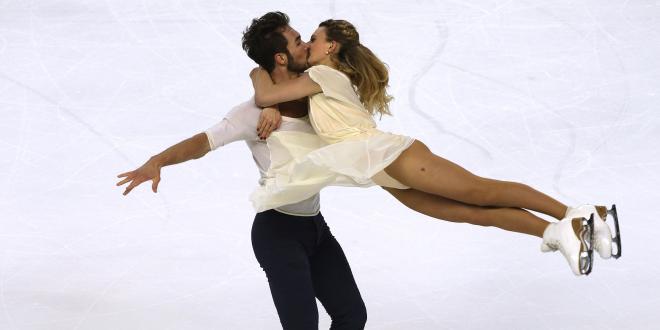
(563, 235)
(419, 168)
(511, 219)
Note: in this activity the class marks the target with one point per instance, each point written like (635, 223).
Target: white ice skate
(574, 238)
(603, 238)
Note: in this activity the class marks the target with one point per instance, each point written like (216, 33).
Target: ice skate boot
(603, 238)
(573, 238)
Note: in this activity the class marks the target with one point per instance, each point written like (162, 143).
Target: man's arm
(191, 148)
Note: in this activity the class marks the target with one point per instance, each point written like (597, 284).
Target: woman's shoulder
(321, 67)
(325, 70)
(335, 84)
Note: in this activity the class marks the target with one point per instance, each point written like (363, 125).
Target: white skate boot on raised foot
(574, 238)
(603, 238)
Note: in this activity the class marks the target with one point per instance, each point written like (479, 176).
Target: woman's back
(337, 114)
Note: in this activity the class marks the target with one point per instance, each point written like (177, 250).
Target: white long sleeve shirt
(241, 124)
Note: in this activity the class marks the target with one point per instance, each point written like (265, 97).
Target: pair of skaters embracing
(315, 102)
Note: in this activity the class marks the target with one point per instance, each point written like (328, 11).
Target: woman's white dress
(348, 149)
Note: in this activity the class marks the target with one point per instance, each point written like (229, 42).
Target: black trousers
(303, 261)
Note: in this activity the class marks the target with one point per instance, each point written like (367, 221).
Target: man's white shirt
(241, 124)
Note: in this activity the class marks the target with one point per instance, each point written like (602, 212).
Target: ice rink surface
(560, 95)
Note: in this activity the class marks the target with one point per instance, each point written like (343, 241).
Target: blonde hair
(366, 71)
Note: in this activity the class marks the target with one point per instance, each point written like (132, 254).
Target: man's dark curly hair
(263, 39)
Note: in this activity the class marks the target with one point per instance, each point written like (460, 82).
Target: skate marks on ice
(69, 113)
(622, 109)
(76, 118)
(443, 36)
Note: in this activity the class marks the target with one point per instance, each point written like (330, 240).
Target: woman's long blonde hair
(366, 71)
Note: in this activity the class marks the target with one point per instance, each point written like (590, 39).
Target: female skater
(346, 87)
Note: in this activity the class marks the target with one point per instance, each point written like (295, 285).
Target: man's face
(297, 62)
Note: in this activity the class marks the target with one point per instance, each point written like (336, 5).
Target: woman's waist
(348, 133)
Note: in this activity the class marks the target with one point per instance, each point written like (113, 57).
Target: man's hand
(149, 171)
(269, 120)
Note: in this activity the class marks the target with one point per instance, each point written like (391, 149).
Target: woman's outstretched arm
(266, 93)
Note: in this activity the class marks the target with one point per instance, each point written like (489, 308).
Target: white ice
(561, 95)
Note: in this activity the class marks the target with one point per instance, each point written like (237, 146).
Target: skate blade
(587, 248)
(616, 239)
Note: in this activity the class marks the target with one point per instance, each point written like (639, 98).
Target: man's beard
(297, 67)
(293, 66)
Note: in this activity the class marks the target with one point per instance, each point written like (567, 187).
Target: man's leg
(334, 284)
(279, 243)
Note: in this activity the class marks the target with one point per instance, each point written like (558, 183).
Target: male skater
(293, 244)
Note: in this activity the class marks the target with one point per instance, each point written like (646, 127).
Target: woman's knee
(464, 214)
(479, 191)
(482, 216)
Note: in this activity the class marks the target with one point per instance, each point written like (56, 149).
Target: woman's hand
(269, 120)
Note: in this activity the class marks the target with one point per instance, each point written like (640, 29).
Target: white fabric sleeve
(239, 124)
(333, 82)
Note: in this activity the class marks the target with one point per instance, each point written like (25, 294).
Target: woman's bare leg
(511, 219)
(419, 168)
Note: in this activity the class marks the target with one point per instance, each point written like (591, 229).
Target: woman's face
(318, 46)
